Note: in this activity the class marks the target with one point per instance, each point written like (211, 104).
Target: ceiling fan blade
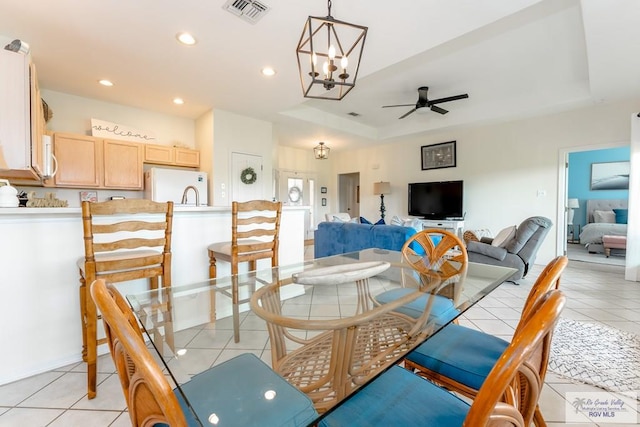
(406, 114)
(449, 98)
(438, 109)
(399, 105)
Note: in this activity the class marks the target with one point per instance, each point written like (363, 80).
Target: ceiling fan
(424, 102)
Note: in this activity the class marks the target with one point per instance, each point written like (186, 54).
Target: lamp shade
(381, 188)
(573, 203)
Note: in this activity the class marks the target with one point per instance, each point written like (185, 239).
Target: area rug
(595, 354)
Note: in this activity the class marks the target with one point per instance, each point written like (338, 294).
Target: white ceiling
(515, 58)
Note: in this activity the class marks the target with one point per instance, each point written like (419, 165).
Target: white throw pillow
(504, 236)
(608, 217)
(395, 220)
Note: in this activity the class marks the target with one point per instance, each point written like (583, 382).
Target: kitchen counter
(38, 254)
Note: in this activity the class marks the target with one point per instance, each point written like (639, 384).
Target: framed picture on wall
(438, 156)
(610, 176)
(323, 190)
(324, 202)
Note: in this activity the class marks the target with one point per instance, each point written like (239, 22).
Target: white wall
(504, 166)
(233, 133)
(73, 114)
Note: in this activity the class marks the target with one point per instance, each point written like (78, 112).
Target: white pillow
(414, 223)
(608, 217)
(504, 236)
(395, 220)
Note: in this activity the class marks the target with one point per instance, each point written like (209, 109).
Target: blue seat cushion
(460, 353)
(442, 309)
(235, 391)
(399, 398)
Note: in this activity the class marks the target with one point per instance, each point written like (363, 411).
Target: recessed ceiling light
(268, 71)
(178, 101)
(105, 82)
(186, 38)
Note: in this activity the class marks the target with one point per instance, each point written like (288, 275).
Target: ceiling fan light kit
(424, 104)
(329, 54)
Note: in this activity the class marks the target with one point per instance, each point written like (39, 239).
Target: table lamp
(571, 205)
(381, 188)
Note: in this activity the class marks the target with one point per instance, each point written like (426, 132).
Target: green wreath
(248, 176)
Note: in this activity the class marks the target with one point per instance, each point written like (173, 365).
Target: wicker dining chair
(329, 358)
(508, 397)
(151, 401)
(460, 358)
(124, 240)
(255, 230)
(434, 254)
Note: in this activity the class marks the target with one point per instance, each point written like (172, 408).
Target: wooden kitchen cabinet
(21, 119)
(186, 157)
(79, 160)
(89, 162)
(171, 156)
(123, 165)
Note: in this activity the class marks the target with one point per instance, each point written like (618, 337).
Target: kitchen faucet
(184, 195)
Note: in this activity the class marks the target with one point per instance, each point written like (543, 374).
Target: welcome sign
(104, 129)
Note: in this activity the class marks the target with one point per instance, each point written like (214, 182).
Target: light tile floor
(595, 293)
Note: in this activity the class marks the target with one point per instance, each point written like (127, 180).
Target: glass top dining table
(327, 334)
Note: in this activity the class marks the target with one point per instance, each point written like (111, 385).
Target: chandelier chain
(329, 6)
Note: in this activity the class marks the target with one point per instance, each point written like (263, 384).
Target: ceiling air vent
(249, 10)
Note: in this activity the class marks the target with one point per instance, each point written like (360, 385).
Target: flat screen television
(436, 200)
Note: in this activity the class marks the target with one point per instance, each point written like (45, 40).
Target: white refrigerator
(163, 185)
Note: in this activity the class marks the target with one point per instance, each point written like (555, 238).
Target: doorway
(246, 184)
(576, 191)
(349, 194)
(297, 188)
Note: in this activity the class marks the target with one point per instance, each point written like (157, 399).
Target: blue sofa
(333, 238)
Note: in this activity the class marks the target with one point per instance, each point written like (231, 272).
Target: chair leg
(213, 272)
(236, 308)
(83, 316)
(538, 419)
(92, 344)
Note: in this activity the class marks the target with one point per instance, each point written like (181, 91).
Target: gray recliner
(518, 253)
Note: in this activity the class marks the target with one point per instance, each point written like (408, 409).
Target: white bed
(591, 234)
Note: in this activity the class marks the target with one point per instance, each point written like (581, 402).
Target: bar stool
(255, 227)
(124, 240)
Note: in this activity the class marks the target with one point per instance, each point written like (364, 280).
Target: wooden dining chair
(435, 254)
(508, 397)
(151, 401)
(255, 229)
(124, 240)
(460, 358)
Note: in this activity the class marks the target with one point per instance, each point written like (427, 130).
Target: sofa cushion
(495, 252)
(333, 238)
(525, 231)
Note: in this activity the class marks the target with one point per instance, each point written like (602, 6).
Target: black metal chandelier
(329, 54)
(321, 152)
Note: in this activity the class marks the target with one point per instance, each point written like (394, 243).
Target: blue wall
(580, 178)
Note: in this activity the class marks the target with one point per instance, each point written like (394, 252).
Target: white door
(298, 189)
(246, 177)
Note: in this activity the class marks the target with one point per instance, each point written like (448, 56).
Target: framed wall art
(438, 156)
(323, 190)
(610, 176)
(324, 202)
